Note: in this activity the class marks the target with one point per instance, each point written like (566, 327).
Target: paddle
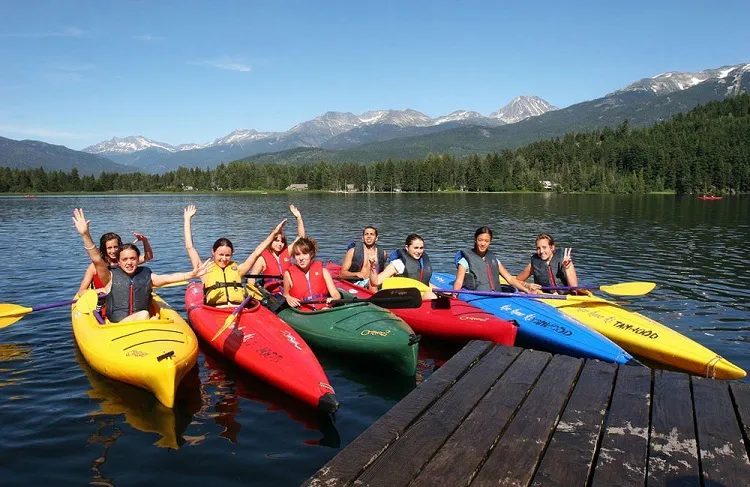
(622, 289)
(10, 313)
(405, 282)
(387, 298)
(231, 318)
(183, 283)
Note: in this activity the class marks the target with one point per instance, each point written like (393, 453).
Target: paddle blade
(175, 284)
(227, 323)
(10, 313)
(397, 298)
(403, 283)
(629, 288)
(86, 304)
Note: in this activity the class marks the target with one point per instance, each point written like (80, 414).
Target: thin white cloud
(67, 32)
(148, 38)
(42, 132)
(67, 72)
(225, 63)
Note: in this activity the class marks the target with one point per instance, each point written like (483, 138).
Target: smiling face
(482, 243)
(369, 237)
(544, 250)
(303, 258)
(415, 248)
(128, 261)
(222, 255)
(111, 248)
(278, 244)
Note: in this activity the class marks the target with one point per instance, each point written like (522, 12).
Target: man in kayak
(478, 269)
(275, 258)
(130, 285)
(222, 285)
(359, 257)
(307, 278)
(549, 266)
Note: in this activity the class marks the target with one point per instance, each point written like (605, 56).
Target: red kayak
(446, 318)
(262, 344)
(709, 197)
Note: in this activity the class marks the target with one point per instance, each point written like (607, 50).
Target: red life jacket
(310, 286)
(275, 266)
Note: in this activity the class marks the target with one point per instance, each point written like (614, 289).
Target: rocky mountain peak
(521, 108)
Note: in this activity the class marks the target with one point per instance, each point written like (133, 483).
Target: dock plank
(420, 442)
(342, 469)
(722, 450)
(741, 395)
(514, 459)
(673, 453)
(456, 462)
(624, 446)
(570, 455)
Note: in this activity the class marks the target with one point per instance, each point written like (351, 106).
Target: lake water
(63, 424)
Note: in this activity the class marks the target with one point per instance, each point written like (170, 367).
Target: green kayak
(360, 329)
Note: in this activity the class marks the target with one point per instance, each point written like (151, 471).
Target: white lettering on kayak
(291, 339)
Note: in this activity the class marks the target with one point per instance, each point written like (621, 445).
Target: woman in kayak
(410, 261)
(478, 269)
(307, 278)
(129, 297)
(109, 247)
(222, 285)
(275, 259)
(549, 266)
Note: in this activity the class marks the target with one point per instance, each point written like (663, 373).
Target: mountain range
(399, 134)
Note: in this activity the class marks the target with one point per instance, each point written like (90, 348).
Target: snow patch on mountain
(458, 116)
(126, 145)
(521, 108)
(669, 82)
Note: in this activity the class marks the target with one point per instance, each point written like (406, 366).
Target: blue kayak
(543, 327)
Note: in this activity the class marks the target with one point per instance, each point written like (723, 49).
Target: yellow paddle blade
(629, 288)
(86, 304)
(404, 282)
(10, 313)
(227, 323)
(175, 284)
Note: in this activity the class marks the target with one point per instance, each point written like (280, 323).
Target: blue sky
(79, 72)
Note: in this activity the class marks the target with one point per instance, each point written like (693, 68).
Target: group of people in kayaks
(291, 270)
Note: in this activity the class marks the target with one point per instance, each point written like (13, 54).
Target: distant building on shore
(297, 187)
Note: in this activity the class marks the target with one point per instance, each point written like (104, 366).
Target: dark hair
(306, 245)
(223, 242)
(412, 237)
(283, 240)
(128, 246)
(547, 236)
(370, 226)
(103, 243)
(482, 230)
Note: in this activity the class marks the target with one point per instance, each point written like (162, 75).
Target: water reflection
(10, 352)
(140, 408)
(228, 384)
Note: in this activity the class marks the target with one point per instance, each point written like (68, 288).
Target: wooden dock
(497, 415)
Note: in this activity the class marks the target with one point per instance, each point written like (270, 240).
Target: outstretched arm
(158, 280)
(511, 279)
(148, 254)
(244, 268)
(187, 215)
(82, 226)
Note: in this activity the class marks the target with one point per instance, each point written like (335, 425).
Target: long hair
(103, 244)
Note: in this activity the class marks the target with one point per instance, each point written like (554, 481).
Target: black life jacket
(358, 259)
(128, 294)
(549, 275)
(421, 270)
(483, 274)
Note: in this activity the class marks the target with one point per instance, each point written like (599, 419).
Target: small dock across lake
(497, 415)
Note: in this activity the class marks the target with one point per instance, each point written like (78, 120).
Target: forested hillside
(706, 149)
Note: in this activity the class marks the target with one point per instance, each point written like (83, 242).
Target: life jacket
(483, 274)
(276, 266)
(310, 286)
(549, 275)
(223, 286)
(421, 270)
(128, 294)
(358, 259)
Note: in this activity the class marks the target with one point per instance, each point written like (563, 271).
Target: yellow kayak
(647, 338)
(151, 354)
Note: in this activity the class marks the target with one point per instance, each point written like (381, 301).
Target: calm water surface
(63, 424)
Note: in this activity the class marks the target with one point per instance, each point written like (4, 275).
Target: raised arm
(244, 268)
(147, 254)
(569, 268)
(158, 280)
(300, 223)
(82, 226)
(376, 279)
(187, 214)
